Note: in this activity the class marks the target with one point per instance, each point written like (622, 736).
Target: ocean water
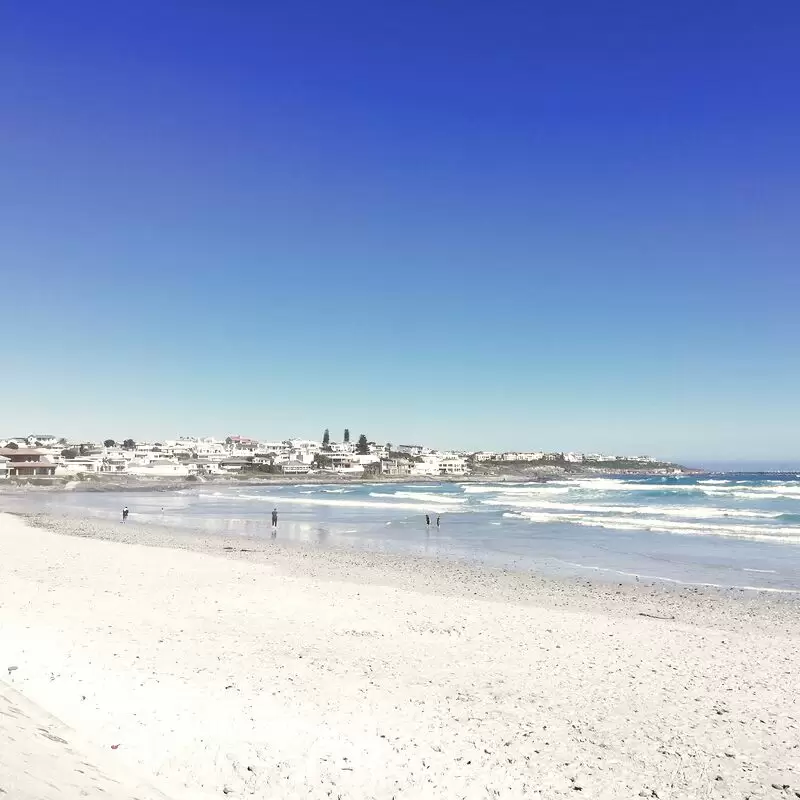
(728, 529)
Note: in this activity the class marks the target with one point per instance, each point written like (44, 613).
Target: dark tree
(129, 444)
(362, 448)
(70, 452)
(109, 443)
(12, 446)
(326, 440)
(346, 435)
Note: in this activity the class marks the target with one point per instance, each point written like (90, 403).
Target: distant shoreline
(111, 482)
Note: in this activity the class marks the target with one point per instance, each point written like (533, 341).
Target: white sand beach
(277, 672)
(42, 759)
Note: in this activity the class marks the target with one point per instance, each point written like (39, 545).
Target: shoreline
(129, 483)
(415, 572)
(277, 670)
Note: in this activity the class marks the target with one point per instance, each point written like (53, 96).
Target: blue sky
(556, 225)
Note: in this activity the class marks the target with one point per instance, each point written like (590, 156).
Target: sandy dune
(40, 760)
(265, 676)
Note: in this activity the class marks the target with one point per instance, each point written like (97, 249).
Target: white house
(242, 446)
(43, 439)
(368, 458)
(343, 464)
(162, 468)
(79, 466)
(295, 468)
(453, 465)
(412, 449)
(272, 453)
(428, 467)
(342, 447)
(4, 470)
(209, 447)
(396, 467)
(598, 457)
(205, 466)
(303, 450)
(115, 462)
(380, 450)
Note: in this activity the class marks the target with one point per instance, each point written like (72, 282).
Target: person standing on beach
(438, 520)
(125, 513)
(274, 520)
(427, 520)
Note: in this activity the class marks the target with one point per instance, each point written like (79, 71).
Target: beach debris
(781, 787)
(12, 669)
(653, 616)
(114, 746)
(52, 737)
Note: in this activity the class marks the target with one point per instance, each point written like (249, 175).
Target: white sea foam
(429, 497)
(517, 490)
(755, 533)
(690, 512)
(755, 493)
(615, 485)
(751, 569)
(632, 523)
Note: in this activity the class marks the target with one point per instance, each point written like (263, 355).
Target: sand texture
(284, 673)
(40, 759)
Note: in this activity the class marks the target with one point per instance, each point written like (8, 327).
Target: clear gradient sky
(559, 225)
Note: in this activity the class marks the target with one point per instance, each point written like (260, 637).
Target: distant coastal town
(190, 457)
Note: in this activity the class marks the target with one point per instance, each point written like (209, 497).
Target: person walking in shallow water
(438, 520)
(125, 513)
(274, 521)
(427, 520)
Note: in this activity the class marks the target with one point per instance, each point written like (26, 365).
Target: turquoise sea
(726, 529)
